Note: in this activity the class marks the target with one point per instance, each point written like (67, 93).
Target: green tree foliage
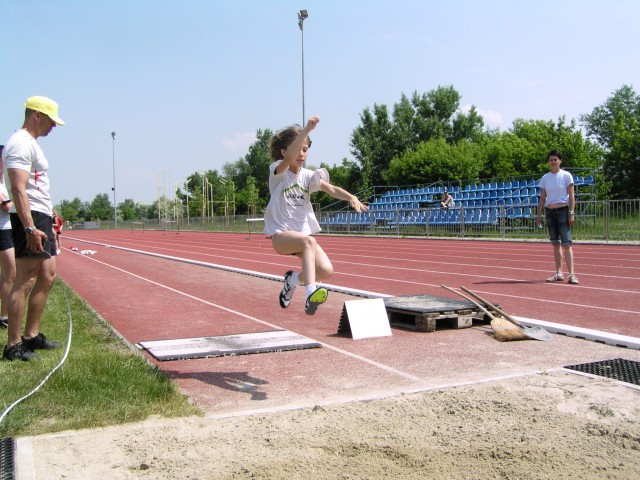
(100, 208)
(254, 164)
(436, 160)
(372, 145)
(128, 210)
(73, 210)
(248, 199)
(205, 194)
(523, 149)
(615, 125)
(430, 116)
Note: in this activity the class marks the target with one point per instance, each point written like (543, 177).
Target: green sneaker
(318, 297)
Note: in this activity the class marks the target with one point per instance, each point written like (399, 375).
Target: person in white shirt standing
(289, 218)
(558, 201)
(26, 170)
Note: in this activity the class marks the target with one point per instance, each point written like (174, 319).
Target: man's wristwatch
(30, 230)
(571, 213)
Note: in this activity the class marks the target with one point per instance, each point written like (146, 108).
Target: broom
(503, 329)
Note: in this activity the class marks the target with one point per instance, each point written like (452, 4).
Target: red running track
(509, 273)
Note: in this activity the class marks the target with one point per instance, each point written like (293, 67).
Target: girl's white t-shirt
(289, 207)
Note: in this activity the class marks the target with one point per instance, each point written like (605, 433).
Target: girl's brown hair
(282, 139)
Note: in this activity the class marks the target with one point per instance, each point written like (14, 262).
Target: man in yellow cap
(26, 170)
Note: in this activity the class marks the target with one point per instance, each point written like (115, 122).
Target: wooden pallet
(425, 313)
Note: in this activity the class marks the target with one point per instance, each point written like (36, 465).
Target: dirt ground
(548, 426)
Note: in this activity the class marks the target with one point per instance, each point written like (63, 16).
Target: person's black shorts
(6, 240)
(43, 223)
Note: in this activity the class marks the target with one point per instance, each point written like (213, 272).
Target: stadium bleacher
(483, 203)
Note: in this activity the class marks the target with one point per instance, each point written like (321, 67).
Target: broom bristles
(505, 331)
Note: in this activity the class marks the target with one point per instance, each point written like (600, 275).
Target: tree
(248, 199)
(436, 160)
(254, 164)
(615, 126)
(100, 208)
(372, 145)
(72, 210)
(430, 116)
(128, 210)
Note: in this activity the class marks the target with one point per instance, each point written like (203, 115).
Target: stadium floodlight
(113, 154)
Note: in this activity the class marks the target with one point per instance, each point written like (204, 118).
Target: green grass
(102, 382)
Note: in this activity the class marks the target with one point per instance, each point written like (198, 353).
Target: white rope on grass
(64, 357)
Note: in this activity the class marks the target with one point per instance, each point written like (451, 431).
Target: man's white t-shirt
(557, 187)
(289, 207)
(23, 152)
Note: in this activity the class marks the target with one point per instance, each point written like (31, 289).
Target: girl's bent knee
(310, 242)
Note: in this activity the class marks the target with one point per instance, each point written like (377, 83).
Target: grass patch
(101, 383)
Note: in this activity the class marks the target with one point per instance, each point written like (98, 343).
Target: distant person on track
(290, 220)
(26, 170)
(447, 201)
(58, 223)
(7, 255)
(558, 201)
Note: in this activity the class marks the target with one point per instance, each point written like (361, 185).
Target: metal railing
(603, 221)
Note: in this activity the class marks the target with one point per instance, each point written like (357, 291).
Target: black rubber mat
(7, 462)
(626, 371)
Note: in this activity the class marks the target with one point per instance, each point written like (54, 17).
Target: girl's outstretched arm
(342, 194)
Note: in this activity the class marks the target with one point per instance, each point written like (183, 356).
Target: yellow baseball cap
(44, 105)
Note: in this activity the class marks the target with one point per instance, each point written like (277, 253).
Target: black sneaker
(40, 342)
(18, 352)
(287, 291)
(3, 323)
(318, 297)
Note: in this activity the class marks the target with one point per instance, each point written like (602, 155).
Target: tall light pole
(113, 154)
(302, 15)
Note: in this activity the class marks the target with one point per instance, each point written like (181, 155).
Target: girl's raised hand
(313, 122)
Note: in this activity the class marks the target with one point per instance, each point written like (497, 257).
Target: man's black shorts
(42, 222)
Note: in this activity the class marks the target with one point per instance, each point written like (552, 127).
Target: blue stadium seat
(515, 212)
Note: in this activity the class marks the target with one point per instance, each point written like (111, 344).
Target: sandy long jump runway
(496, 398)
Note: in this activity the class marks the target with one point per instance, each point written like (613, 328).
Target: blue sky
(185, 84)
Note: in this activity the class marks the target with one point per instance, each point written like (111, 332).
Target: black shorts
(43, 223)
(6, 240)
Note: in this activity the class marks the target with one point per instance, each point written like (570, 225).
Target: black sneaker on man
(40, 342)
(18, 352)
(287, 291)
(4, 323)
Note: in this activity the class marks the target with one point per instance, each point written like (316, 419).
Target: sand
(547, 426)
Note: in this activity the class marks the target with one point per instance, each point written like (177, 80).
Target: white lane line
(387, 368)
